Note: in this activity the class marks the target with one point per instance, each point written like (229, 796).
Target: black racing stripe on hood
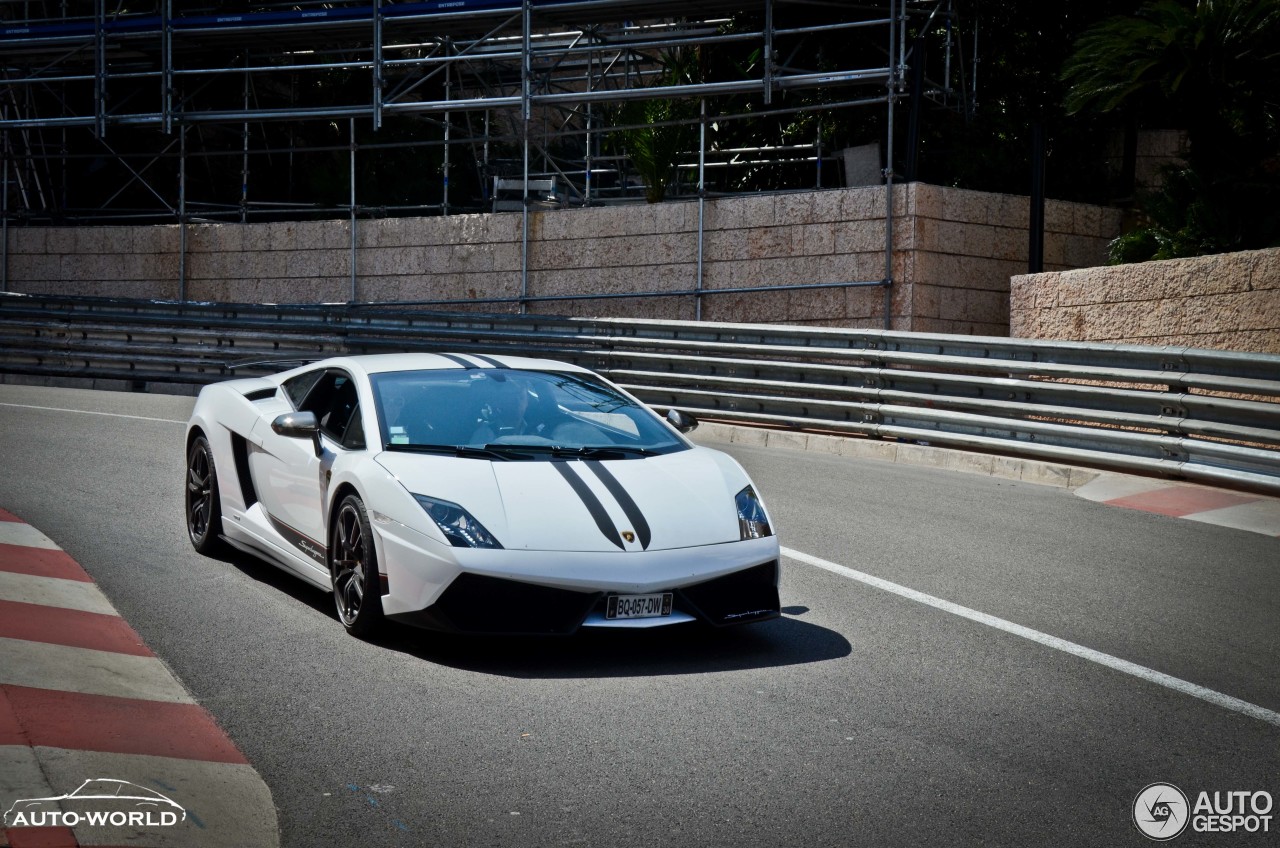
(470, 366)
(629, 506)
(591, 502)
(489, 359)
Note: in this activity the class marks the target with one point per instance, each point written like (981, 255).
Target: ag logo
(1160, 811)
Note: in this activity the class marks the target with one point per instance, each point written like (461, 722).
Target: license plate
(638, 606)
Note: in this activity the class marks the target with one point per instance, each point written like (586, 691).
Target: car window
(335, 403)
(353, 438)
(296, 388)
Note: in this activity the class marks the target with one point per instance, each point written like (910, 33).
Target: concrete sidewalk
(87, 709)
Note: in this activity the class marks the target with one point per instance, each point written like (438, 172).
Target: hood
(677, 500)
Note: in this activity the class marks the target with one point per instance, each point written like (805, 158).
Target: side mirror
(299, 425)
(682, 421)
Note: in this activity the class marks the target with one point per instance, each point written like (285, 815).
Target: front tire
(353, 565)
(202, 502)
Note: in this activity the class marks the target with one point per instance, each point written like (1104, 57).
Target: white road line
(93, 412)
(1141, 672)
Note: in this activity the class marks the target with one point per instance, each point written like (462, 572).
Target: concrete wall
(1231, 301)
(954, 252)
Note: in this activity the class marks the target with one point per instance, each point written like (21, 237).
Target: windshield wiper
(611, 452)
(464, 451)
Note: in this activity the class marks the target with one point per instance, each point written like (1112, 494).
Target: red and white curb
(1243, 511)
(83, 699)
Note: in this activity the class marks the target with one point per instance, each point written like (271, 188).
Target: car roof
(380, 363)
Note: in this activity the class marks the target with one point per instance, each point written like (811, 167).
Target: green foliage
(1190, 216)
(656, 140)
(1210, 67)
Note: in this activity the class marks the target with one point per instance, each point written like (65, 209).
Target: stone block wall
(126, 261)
(954, 252)
(1231, 301)
(963, 247)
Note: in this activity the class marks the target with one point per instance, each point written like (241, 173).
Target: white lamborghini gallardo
(478, 494)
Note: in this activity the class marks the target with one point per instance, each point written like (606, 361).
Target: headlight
(459, 526)
(752, 522)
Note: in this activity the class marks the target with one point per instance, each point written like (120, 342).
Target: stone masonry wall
(967, 244)
(954, 252)
(1231, 301)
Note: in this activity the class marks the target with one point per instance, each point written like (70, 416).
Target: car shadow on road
(680, 649)
(279, 579)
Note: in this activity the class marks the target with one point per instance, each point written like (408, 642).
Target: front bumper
(481, 604)
(419, 568)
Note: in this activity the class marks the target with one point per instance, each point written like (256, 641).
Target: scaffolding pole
(166, 77)
(351, 130)
(526, 116)
(377, 65)
(702, 206)
(4, 215)
(893, 85)
(448, 84)
(100, 68)
(182, 213)
(244, 141)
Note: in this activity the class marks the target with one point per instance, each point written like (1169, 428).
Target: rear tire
(353, 566)
(202, 502)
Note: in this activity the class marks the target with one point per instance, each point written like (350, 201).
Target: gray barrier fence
(1212, 416)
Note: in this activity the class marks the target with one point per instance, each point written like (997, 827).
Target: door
(292, 482)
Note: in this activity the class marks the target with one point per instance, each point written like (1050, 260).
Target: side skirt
(250, 543)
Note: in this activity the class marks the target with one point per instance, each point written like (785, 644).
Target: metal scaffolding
(108, 114)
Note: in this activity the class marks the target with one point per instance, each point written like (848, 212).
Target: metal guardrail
(1212, 416)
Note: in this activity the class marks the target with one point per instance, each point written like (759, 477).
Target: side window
(333, 399)
(353, 439)
(297, 387)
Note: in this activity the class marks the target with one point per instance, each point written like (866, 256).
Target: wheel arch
(340, 493)
(195, 431)
(343, 489)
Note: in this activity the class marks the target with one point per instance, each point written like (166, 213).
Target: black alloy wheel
(353, 564)
(203, 508)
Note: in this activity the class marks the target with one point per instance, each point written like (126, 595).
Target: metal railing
(1206, 415)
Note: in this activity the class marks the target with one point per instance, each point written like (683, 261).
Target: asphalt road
(860, 718)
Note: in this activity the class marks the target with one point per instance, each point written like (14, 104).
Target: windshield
(512, 414)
